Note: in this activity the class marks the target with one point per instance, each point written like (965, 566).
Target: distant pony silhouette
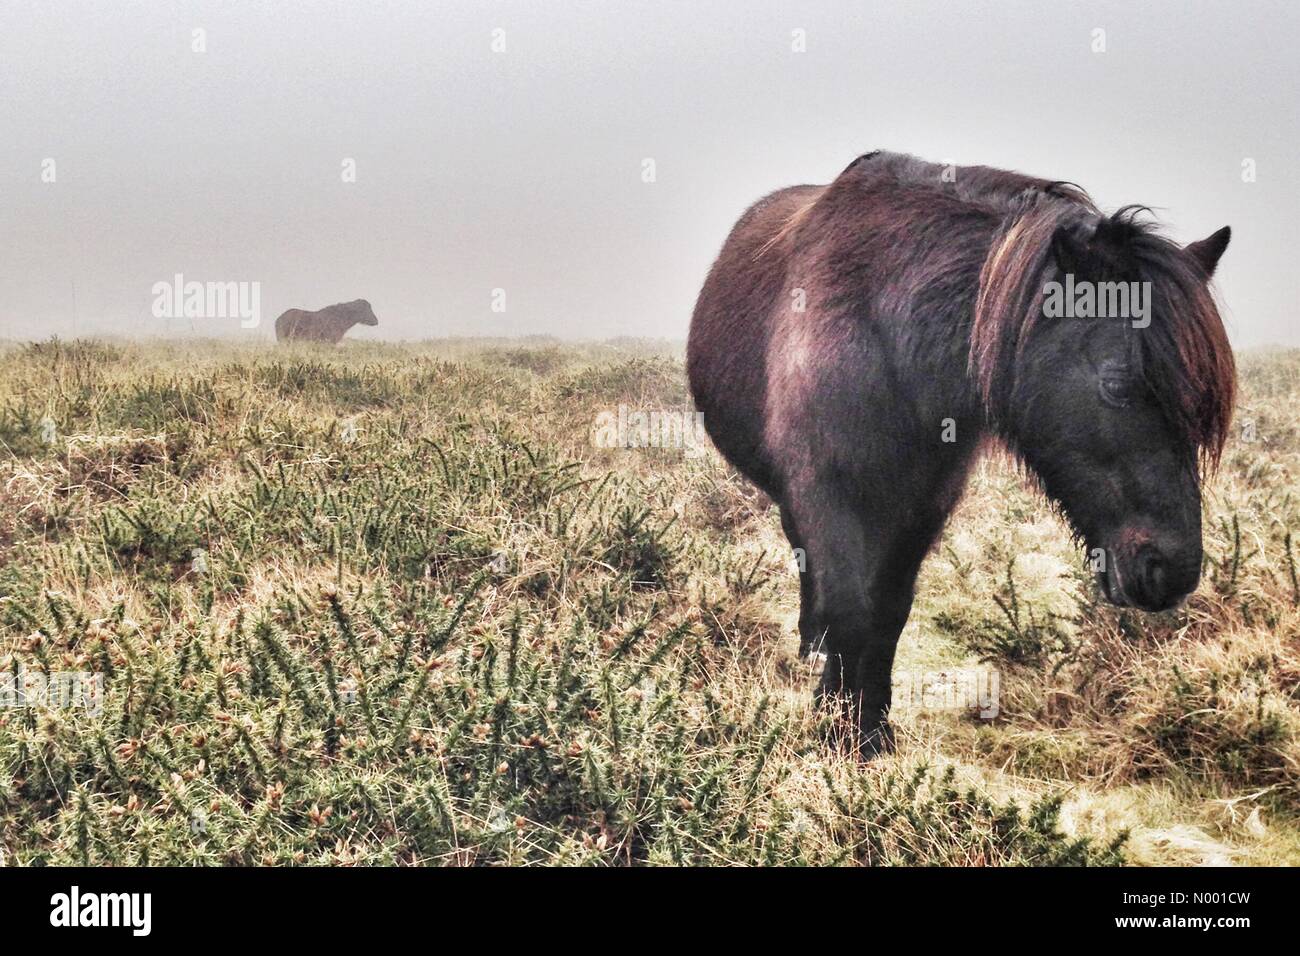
(856, 344)
(329, 324)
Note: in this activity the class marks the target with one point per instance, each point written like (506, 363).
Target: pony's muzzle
(1152, 579)
(1162, 581)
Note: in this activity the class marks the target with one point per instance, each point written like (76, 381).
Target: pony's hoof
(849, 737)
(816, 661)
(877, 742)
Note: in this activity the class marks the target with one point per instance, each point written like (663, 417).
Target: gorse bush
(1021, 636)
(349, 728)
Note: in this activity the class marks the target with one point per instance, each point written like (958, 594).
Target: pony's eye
(1116, 391)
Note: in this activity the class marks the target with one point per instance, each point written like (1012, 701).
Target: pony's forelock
(1184, 355)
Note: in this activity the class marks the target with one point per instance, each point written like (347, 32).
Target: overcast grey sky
(523, 169)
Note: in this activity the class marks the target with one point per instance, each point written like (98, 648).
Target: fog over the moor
(505, 146)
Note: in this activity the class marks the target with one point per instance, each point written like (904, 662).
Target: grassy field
(392, 604)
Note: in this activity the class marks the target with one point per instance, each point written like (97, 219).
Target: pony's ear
(1207, 251)
(1070, 249)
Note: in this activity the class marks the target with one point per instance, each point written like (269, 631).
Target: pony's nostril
(1157, 577)
(1153, 573)
(1147, 572)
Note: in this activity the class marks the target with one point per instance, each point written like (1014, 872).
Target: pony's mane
(1183, 355)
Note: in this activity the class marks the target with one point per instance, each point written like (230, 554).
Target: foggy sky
(522, 170)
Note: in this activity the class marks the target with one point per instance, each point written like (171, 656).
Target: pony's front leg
(857, 625)
(869, 687)
(858, 678)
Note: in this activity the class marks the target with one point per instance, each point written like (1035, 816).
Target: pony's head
(1102, 361)
(364, 314)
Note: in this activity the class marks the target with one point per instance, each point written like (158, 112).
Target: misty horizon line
(523, 338)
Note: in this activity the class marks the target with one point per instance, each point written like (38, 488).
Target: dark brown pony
(855, 344)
